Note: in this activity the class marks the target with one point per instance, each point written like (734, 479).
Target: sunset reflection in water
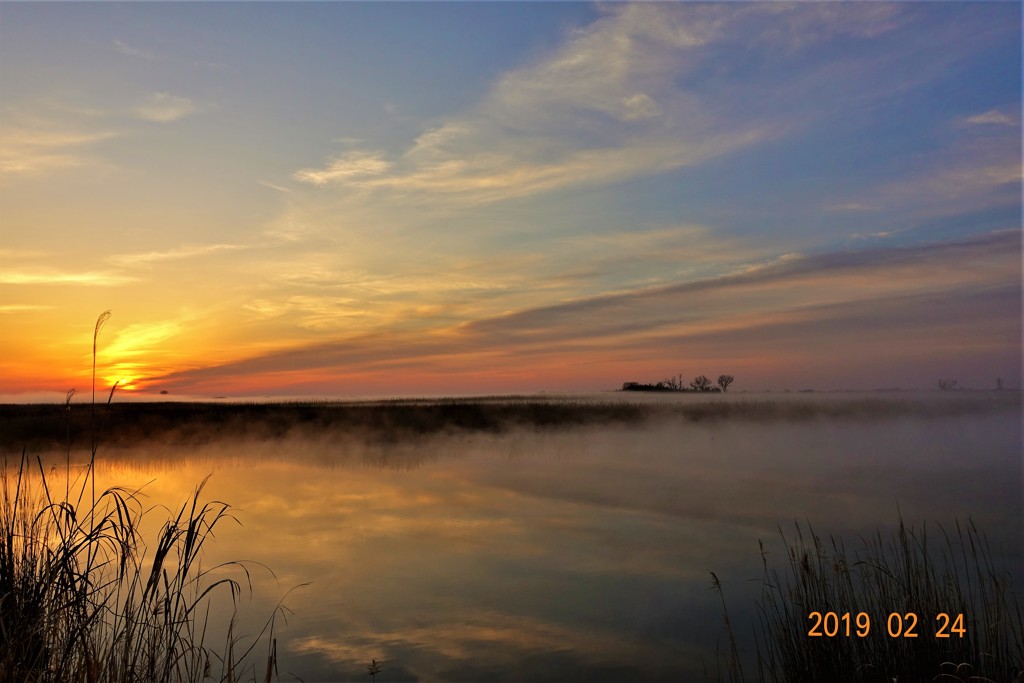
(569, 554)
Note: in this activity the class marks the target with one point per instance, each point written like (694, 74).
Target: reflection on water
(562, 555)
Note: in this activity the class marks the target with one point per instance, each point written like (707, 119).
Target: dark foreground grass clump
(83, 599)
(894, 591)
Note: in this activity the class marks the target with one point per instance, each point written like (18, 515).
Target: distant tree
(999, 383)
(725, 380)
(700, 383)
(947, 384)
(637, 386)
(676, 383)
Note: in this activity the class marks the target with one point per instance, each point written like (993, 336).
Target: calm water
(562, 555)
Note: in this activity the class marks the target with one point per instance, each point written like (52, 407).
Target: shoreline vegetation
(918, 605)
(84, 598)
(41, 427)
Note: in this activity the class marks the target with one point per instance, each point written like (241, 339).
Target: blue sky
(474, 197)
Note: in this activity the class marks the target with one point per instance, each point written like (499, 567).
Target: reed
(84, 599)
(913, 571)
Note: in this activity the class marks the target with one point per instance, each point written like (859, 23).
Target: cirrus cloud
(163, 107)
(351, 167)
(38, 149)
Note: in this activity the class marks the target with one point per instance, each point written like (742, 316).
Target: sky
(364, 199)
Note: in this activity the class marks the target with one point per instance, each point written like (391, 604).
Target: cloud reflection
(580, 552)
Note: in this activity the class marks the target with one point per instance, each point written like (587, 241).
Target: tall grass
(908, 572)
(83, 598)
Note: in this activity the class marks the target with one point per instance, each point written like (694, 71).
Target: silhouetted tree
(725, 380)
(947, 384)
(999, 383)
(701, 383)
(676, 383)
(637, 386)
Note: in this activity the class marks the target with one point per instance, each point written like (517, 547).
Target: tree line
(677, 383)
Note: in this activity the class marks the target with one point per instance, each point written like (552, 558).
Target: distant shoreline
(121, 424)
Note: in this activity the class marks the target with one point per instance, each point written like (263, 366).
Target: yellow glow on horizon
(124, 383)
(140, 338)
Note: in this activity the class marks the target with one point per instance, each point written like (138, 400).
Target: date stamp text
(897, 625)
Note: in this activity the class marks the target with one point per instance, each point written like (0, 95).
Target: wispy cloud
(132, 51)
(851, 206)
(185, 252)
(810, 302)
(274, 186)
(23, 308)
(978, 168)
(602, 108)
(310, 295)
(623, 97)
(57, 277)
(989, 177)
(363, 282)
(626, 259)
(879, 235)
(990, 117)
(353, 166)
(21, 253)
(38, 149)
(140, 339)
(314, 312)
(162, 107)
(789, 281)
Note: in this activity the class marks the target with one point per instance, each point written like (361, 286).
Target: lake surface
(575, 553)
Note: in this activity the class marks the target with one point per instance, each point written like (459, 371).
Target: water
(567, 554)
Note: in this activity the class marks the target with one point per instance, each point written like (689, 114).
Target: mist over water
(575, 553)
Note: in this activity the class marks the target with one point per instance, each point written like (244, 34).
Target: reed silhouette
(879, 585)
(83, 598)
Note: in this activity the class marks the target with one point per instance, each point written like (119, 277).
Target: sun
(122, 382)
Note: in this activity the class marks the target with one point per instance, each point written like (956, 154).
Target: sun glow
(121, 382)
(128, 384)
(125, 376)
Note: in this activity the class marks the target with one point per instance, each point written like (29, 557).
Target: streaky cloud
(968, 290)
(185, 252)
(23, 308)
(163, 107)
(348, 167)
(132, 51)
(55, 277)
(32, 150)
(612, 80)
(990, 117)
(938, 259)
